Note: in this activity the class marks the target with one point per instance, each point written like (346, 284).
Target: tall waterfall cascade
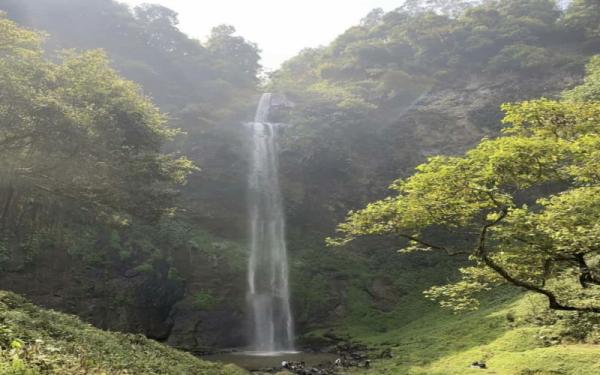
(268, 281)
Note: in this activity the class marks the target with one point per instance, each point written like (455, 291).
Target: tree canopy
(497, 36)
(76, 137)
(527, 203)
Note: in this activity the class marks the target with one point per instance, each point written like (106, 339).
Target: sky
(281, 28)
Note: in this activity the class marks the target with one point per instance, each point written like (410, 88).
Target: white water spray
(268, 284)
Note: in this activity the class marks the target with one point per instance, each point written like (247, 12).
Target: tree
(75, 134)
(584, 15)
(238, 56)
(153, 13)
(161, 32)
(452, 8)
(590, 89)
(523, 57)
(373, 18)
(528, 204)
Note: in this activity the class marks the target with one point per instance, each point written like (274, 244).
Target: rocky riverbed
(332, 360)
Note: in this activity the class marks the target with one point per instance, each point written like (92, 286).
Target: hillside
(125, 179)
(392, 92)
(502, 334)
(141, 276)
(38, 341)
(422, 339)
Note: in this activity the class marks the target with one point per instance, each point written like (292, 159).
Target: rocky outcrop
(326, 177)
(280, 100)
(200, 310)
(205, 331)
(109, 298)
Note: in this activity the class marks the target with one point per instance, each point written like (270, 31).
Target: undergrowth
(38, 341)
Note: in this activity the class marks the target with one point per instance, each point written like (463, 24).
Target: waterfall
(268, 289)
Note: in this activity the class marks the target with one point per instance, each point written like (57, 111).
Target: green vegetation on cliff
(79, 145)
(526, 204)
(93, 200)
(37, 341)
(344, 110)
(391, 57)
(400, 87)
(93, 170)
(525, 208)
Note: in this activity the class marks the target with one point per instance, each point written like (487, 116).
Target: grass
(440, 343)
(38, 341)
(507, 332)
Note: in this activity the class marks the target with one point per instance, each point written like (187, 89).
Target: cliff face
(333, 159)
(370, 277)
(198, 309)
(324, 183)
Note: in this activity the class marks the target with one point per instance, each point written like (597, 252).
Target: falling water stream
(272, 334)
(268, 284)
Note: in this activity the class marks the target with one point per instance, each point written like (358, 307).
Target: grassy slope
(440, 343)
(426, 339)
(38, 341)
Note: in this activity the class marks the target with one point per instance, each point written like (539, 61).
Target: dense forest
(438, 168)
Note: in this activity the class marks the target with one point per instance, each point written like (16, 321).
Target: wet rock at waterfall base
(300, 368)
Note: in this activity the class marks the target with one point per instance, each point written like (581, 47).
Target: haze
(418, 193)
(297, 24)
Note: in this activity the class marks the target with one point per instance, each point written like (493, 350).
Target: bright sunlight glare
(281, 28)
